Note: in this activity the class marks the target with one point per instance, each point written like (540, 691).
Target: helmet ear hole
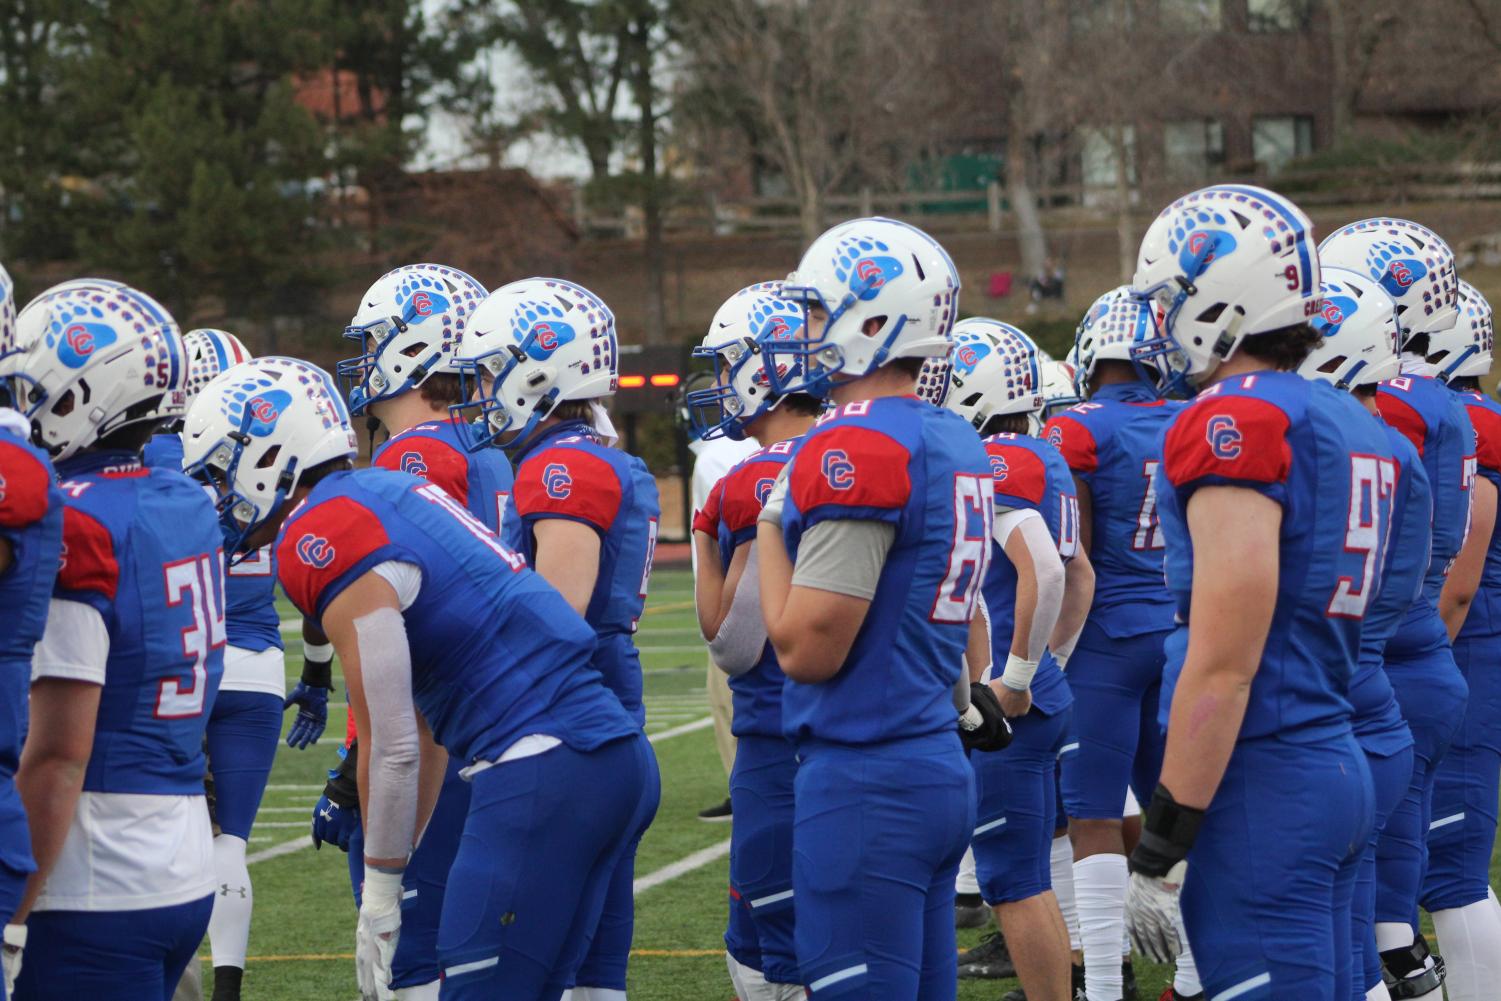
(269, 459)
(1212, 313)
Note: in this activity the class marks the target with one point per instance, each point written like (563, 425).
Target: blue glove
(312, 714)
(334, 823)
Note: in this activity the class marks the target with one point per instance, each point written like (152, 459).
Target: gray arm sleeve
(844, 557)
(741, 639)
(1048, 567)
(393, 749)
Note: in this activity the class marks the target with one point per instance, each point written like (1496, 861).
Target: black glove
(983, 726)
(1167, 833)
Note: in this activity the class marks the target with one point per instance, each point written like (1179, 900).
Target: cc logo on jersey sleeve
(1223, 436)
(763, 489)
(998, 467)
(838, 469)
(315, 551)
(556, 481)
(411, 462)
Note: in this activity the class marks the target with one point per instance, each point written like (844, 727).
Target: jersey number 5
(1372, 482)
(197, 582)
(969, 551)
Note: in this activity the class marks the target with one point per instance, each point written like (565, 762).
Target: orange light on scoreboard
(660, 380)
(666, 381)
(632, 381)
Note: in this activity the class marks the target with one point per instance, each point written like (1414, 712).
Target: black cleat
(990, 960)
(1128, 981)
(716, 814)
(970, 911)
(1076, 978)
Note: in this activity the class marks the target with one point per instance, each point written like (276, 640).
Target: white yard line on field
(681, 867)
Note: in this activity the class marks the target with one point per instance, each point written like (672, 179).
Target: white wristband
(970, 719)
(382, 890)
(1018, 673)
(318, 653)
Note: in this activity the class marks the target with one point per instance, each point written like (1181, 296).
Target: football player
(1029, 598)
(245, 724)
(1274, 496)
(408, 327)
(31, 535)
(1358, 322)
(1462, 833)
(445, 639)
(1113, 445)
(584, 514)
(886, 512)
(124, 678)
(1416, 268)
(739, 404)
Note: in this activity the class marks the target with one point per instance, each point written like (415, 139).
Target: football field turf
(302, 937)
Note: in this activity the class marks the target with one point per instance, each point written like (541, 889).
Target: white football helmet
(994, 372)
(1217, 266)
(252, 432)
(741, 392)
(1060, 386)
(529, 346)
(1115, 323)
(210, 351)
(95, 359)
(1359, 323)
(1464, 350)
(408, 325)
(7, 313)
(865, 270)
(1411, 262)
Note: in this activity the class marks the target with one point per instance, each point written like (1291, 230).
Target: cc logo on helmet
(315, 551)
(422, 304)
(79, 339)
(557, 481)
(838, 469)
(1223, 436)
(263, 410)
(547, 338)
(1331, 313)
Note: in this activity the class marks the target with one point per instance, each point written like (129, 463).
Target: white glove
(1152, 911)
(376, 934)
(15, 942)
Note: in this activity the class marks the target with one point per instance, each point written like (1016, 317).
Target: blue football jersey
(757, 694)
(923, 471)
(437, 451)
(1317, 453)
(250, 584)
(568, 472)
(1029, 475)
(143, 547)
(496, 653)
(1113, 444)
(1485, 418)
(31, 522)
(1377, 717)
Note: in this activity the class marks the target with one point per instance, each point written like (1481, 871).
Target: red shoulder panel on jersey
(568, 483)
(745, 489)
(851, 467)
(23, 486)
(88, 562)
(1487, 435)
(1400, 414)
(1072, 439)
(319, 545)
(1018, 472)
(1234, 437)
(433, 460)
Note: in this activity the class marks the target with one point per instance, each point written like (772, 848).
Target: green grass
(303, 929)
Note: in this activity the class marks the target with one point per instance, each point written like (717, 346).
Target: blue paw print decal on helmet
(1395, 267)
(77, 340)
(967, 355)
(1199, 242)
(1336, 309)
(264, 404)
(540, 329)
(862, 266)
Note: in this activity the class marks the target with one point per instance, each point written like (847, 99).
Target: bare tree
(1356, 29)
(839, 91)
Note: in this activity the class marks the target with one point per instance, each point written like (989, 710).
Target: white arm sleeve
(1048, 567)
(741, 639)
(393, 748)
(75, 645)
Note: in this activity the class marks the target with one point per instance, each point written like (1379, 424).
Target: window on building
(1276, 140)
(1097, 154)
(1279, 15)
(1191, 15)
(1193, 150)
